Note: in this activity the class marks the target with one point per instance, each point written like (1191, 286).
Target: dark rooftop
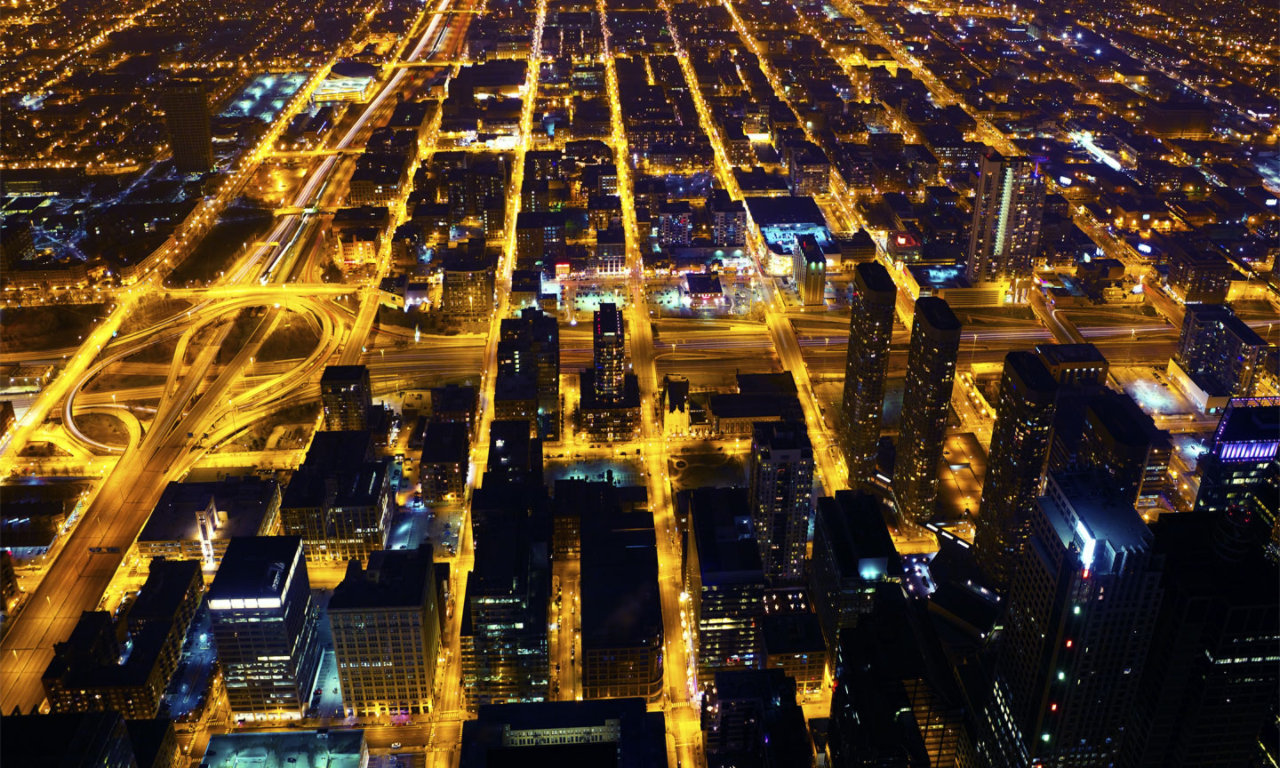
(257, 566)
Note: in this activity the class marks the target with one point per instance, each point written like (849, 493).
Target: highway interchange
(201, 402)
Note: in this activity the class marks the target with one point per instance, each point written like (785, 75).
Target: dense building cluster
(805, 384)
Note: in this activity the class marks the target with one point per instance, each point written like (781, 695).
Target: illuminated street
(459, 383)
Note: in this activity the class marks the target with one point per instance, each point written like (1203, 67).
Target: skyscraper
(1006, 218)
(347, 396)
(386, 633)
(781, 497)
(1217, 351)
(1210, 682)
(264, 624)
(1019, 449)
(853, 555)
(530, 347)
(724, 579)
(609, 345)
(931, 370)
(1242, 456)
(870, 333)
(1081, 612)
(186, 113)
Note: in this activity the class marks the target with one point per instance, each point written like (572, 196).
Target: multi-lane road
(199, 403)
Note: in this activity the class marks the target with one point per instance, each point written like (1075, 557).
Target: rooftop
(937, 313)
(1096, 520)
(256, 567)
(244, 501)
(395, 578)
(287, 749)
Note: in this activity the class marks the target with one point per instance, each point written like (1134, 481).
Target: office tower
(347, 396)
(616, 732)
(870, 333)
(896, 698)
(445, 459)
(1210, 682)
(724, 579)
(504, 620)
(1081, 611)
(125, 664)
(1241, 460)
(468, 284)
(750, 717)
(610, 404)
(809, 270)
(529, 347)
(264, 625)
(340, 500)
(1081, 372)
(186, 113)
(386, 633)
(622, 649)
(791, 640)
(1005, 237)
(1218, 354)
(1199, 276)
(1122, 442)
(781, 471)
(73, 740)
(1074, 365)
(931, 369)
(513, 455)
(609, 353)
(1019, 449)
(853, 555)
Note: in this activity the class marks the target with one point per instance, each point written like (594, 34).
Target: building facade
(781, 472)
(931, 370)
(866, 364)
(264, 624)
(1016, 462)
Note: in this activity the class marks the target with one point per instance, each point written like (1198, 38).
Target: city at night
(639, 384)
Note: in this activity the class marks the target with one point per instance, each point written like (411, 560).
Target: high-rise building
(514, 456)
(1081, 372)
(870, 333)
(386, 633)
(622, 650)
(1242, 457)
(71, 740)
(1081, 613)
(781, 470)
(609, 347)
(1218, 352)
(750, 717)
(1122, 442)
(504, 619)
(896, 700)
(724, 579)
(264, 625)
(853, 555)
(340, 500)
(1015, 463)
(1210, 681)
(529, 347)
(347, 396)
(931, 370)
(1007, 212)
(186, 113)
